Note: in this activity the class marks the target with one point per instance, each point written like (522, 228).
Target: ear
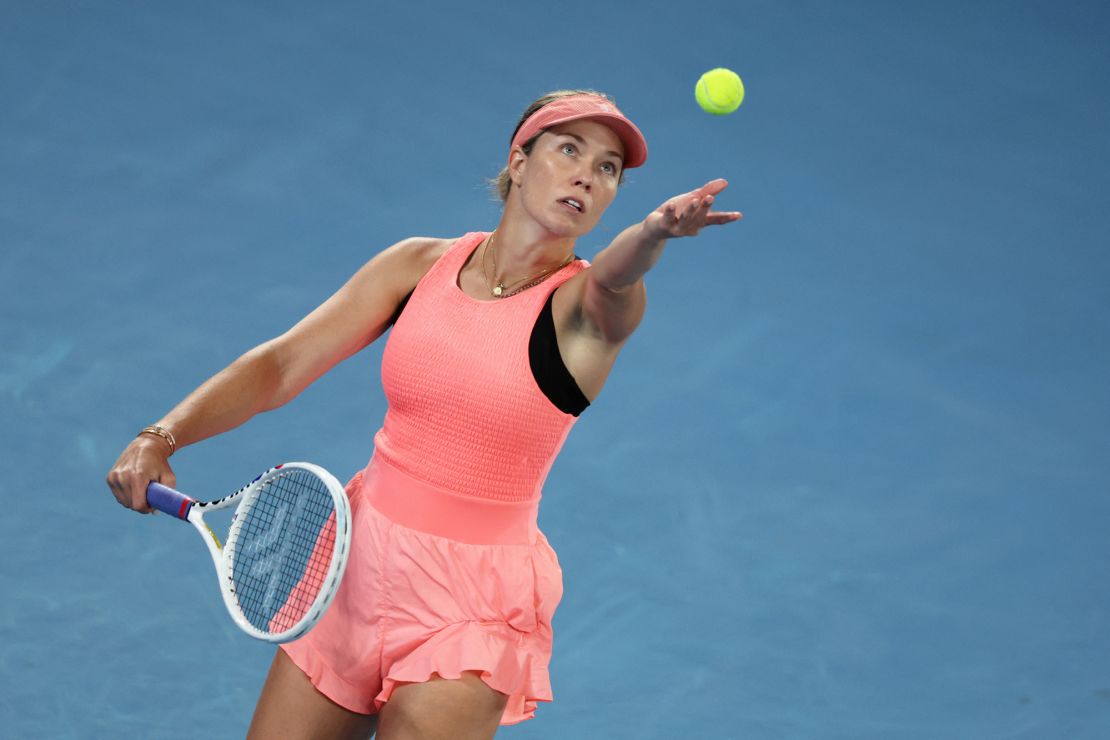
(518, 161)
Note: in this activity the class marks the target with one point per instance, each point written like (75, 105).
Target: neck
(523, 249)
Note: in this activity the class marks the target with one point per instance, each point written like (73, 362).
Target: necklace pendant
(498, 290)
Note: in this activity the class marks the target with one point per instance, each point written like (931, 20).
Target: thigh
(290, 708)
(442, 709)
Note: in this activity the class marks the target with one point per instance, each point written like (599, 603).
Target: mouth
(574, 204)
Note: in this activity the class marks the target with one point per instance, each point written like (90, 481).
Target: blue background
(848, 480)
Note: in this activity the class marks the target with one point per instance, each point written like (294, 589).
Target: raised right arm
(274, 372)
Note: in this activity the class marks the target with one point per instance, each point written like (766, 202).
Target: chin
(561, 226)
(571, 228)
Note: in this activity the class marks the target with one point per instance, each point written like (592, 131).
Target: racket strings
(281, 547)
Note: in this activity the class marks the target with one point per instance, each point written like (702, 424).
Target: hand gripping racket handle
(169, 501)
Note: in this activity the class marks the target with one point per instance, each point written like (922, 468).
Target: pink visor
(577, 107)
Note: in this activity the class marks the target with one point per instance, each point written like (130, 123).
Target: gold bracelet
(163, 433)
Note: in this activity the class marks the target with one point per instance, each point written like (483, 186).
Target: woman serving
(442, 626)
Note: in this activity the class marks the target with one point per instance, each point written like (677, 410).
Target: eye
(569, 146)
(609, 168)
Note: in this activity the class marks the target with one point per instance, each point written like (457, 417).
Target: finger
(713, 187)
(121, 489)
(692, 207)
(136, 491)
(700, 212)
(117, 489)
(139, 503)
(716, 218)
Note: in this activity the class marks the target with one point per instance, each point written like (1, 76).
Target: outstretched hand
(687, 214)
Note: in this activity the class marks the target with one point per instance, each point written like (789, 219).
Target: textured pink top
(465, 413)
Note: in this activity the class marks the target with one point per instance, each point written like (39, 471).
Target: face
(578, 161)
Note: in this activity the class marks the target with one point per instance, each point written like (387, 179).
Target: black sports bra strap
(548, 368)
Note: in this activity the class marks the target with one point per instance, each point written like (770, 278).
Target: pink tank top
(465, 413)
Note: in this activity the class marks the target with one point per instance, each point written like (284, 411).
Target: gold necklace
(498, 291)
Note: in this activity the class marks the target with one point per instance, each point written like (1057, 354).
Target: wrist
(652, 231)
(156, 432)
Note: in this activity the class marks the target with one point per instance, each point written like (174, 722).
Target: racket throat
(213, 536)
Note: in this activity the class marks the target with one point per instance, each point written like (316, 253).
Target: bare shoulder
(417, 253)
(425, 247)
(411, 258)
(356, 314)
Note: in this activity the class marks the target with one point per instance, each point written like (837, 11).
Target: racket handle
(168, 501)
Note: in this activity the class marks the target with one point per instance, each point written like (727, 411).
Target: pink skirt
(437, 584)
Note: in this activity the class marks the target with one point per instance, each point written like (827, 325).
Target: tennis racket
(286, 548)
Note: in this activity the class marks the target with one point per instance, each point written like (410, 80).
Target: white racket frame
(222, 556)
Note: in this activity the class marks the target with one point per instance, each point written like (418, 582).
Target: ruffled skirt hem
(500, 656)
(326, 680)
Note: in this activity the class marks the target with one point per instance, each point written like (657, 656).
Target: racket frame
(193, 511)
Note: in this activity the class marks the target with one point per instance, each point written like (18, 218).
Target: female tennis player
(442, 626)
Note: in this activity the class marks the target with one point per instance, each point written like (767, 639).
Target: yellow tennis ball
(719, 91)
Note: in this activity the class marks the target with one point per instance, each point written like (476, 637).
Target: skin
(595, 312)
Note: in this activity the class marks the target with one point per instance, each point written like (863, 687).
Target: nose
(584, 178)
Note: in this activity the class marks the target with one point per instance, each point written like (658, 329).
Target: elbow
(271, 374)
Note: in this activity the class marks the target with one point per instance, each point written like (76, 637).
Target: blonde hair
(501, 185)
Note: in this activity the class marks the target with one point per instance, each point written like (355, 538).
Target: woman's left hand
(687, 214)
